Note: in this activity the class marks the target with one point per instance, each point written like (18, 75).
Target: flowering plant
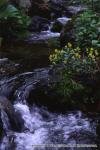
(76, 60)
(74, 63)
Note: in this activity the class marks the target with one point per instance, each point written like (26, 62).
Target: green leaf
(9, 11)
(94, 42)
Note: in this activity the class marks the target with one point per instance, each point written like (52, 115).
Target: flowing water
(42, 129)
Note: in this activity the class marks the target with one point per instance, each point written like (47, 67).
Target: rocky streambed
(29, 125)
(25, 122)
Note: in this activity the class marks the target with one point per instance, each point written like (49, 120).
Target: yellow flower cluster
(77, 55)
(92, 53)
(68, 45)
(53, 56)
(72, 53)
(56, 55)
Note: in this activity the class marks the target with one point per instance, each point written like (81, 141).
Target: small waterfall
(26, 115)
(46, 128)
(41, 127)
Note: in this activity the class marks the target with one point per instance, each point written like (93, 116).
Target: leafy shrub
(12, 22)
(87, 30)
(74, 59)
(73, 64)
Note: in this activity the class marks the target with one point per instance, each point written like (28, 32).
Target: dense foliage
(74, 63)
(79, 64)
(87, 30)
(12, 22)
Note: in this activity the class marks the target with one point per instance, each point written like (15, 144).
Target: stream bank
(24, 72)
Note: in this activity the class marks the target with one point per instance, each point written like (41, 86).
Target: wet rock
(64, 7)
(98, 129)
(40, 8)
(67, 33)
(57, 8)
(15, 120)
(44, 93)
(39, 24)
(7, 67)
(1, 126)
(34, 49)
(59, 24)
(74, 10)
(98, 133)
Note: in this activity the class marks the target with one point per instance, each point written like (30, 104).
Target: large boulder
(39, 24)
(43, 92)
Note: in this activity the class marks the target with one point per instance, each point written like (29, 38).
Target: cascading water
(43, 35)
(42, 127)
(48, 34)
